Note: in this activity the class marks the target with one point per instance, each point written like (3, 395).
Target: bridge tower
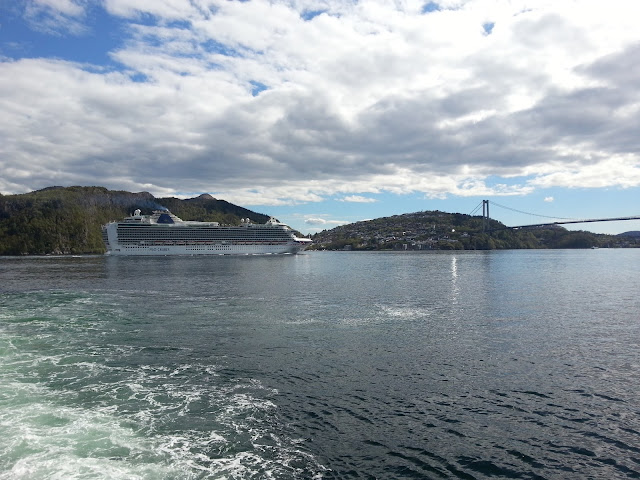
(485, 215)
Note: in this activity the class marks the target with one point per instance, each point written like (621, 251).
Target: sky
(326, 112)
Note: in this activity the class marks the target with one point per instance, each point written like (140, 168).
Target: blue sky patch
(138, 77)
(431, 7)
(102, 35)
(311, 14)
(488, 27)
(212, 46)
(257, 88)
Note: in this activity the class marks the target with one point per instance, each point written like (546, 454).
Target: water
(333, 365)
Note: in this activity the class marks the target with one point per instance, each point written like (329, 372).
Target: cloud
(317, 221)
(358, 199)
(353, 97)
(620, 171)
(56, 17)
(548, 199)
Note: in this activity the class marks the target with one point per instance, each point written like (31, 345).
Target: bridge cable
(475, 209)
(533, 214)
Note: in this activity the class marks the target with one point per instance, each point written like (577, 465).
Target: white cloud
(323, 222)
(315, 221)
(56, 17)
(622, 171)
(358, 199)
(548, 199)
(162, 9)
(362, 98)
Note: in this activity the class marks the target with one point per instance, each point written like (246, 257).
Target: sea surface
(324, 365)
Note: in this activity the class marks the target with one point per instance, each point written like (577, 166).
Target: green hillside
(434, 230)
(59, 220)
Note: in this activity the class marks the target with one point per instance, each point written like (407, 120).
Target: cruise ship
(163, 233)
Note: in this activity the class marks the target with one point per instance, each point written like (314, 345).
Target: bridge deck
(589, 220)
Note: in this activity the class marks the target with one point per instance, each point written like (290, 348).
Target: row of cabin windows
(122, 239)
(200, 231)
(201, 235)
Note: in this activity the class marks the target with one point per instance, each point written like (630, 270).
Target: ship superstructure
(163, 233)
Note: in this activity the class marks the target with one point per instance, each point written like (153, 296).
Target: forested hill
(68, 220)
(434, 230)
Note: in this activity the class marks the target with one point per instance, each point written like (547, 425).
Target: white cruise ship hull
(165, 234)
(128, 250)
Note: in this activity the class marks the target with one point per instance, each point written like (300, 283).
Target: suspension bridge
(486, 225)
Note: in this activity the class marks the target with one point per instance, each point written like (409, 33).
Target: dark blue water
(336, 365)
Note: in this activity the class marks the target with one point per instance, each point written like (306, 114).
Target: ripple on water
(72, 406)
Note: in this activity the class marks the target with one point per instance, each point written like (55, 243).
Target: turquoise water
(519, 364)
